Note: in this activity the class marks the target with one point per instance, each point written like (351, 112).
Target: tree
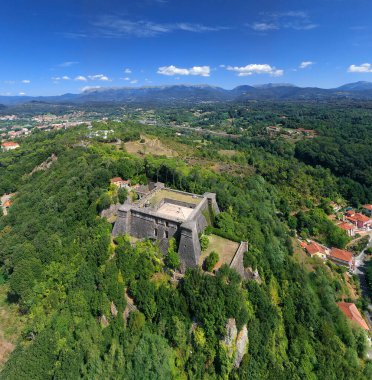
(211, 261)
(122, 195)
(172, 259)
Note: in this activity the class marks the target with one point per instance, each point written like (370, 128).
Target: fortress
(163, 213)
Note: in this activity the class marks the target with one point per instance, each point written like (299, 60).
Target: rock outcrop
(235, 343)
(241, 345)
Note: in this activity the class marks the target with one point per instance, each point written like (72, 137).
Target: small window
(166, 234)
(156, 232)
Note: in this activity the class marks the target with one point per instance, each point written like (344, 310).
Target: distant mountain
(200, 93)
(357, 86)
(272, 85)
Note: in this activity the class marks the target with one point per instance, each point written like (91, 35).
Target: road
(360, 271)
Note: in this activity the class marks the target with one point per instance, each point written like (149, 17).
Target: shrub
(211, 261)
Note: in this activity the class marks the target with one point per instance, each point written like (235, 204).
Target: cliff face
(234, 342)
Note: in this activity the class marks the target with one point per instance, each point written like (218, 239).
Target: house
(342, 257)
(314, 249)
(120, 183)
(367, 209)
(348, 228)
(7, 204)
(352, 313)
(359, 220)
(9, 145)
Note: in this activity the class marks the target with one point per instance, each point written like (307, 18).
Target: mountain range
(201, 93)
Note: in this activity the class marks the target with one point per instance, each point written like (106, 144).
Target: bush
(204, 242)
(211, 261)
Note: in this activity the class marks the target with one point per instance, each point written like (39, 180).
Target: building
(367, 209)
(342, 257)
(359, 220)
(163, 213)
(9, 145)
(348, 228)
(120, 183)
(314, 249)
(352, 313)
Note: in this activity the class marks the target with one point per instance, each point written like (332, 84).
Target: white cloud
(68, 63)
(264, 26)
(65, 77)
(99, 77)
(126, 78)
(22, 94)
(255, 68)
(363, 68)
(81, 78)
(115, 27)
(305, 64)
(127, 71)
(87, 88)
(203, 71)
(297, 20)
(134, 81)
(26, 81)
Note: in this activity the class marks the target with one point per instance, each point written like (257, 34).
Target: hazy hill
(202, 93)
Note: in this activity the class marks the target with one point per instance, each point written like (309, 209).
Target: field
(10, 326)
(227, 153)
(225, 248)
(150, 146)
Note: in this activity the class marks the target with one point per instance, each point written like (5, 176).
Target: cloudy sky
(53, 47)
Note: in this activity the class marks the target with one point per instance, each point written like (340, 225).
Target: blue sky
(54, 47)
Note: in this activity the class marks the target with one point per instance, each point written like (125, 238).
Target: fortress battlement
(165, 213)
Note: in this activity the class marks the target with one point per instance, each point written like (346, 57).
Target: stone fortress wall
(144, 221)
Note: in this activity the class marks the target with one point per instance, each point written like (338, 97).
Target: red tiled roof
(361, 218)
(7, 204)
(314, 248)
(351, 312)
(350, 212)
(9, 143)
(346, 226)
(116, 179)
(368, 207)
(341, 254)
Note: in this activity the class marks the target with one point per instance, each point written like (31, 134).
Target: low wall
(237, 261)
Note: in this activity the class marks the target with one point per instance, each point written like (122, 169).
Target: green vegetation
(204, 242)
(211, 261)
(96, 308)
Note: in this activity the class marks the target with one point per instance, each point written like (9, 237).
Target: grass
(227, 153)
(225, 248)
(10, 325)
(158, 196)
(150, 146)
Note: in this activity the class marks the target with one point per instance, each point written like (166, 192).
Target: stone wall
(237, 261)
(189, 246)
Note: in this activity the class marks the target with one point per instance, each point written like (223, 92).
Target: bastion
(164, 213)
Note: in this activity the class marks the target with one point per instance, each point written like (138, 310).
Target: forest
(73, 282)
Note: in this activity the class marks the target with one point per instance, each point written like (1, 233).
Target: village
(358, 226)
